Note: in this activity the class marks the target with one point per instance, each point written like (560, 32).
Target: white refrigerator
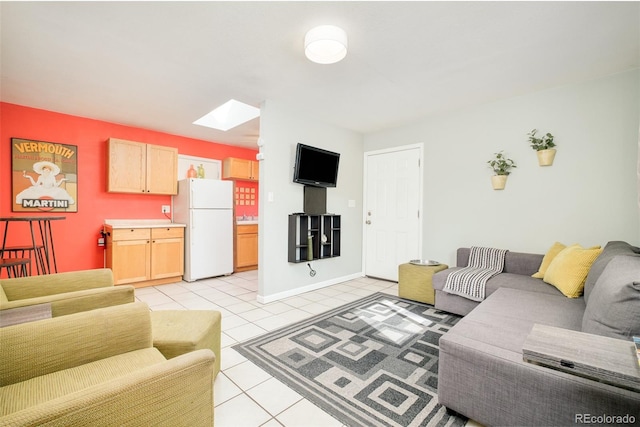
(206, 207)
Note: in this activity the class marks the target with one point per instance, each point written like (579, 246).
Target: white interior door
(393, 199)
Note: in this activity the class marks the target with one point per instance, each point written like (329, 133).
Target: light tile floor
(244, 394)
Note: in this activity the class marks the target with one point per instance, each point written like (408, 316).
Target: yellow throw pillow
(569, 269)
(548, 257)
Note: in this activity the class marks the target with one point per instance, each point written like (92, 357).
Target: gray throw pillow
(612, 249)
(613, 309)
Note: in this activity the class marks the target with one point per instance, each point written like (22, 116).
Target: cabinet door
(255, 171)
(162, 170)
(167, 258)
(234, 168)
(130, 261)
(126, 168)
(246, 250)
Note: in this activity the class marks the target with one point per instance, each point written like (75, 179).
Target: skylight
(229, 115)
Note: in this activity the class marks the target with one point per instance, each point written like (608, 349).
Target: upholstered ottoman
(415, 282)
(177, 332)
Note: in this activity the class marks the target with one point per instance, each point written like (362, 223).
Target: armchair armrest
(76, 302)
(37, 348)
(49, 284)
(176, 392)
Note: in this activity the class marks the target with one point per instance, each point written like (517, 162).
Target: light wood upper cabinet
(126, 166)
(162, 169)
(135, 167)
(234, 168)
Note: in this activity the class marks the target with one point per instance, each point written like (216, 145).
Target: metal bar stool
(17, 266)
(43, 251)
(21, 251)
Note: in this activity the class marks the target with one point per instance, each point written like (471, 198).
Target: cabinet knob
(368, 222)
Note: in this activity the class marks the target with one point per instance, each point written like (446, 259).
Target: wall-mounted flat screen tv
(315, 166)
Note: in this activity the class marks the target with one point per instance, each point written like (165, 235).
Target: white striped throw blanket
(470, 281)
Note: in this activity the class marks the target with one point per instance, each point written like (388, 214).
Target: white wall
(588, 196)
(281, 128)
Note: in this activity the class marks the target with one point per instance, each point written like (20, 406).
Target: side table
(415, 282)
(608, 360)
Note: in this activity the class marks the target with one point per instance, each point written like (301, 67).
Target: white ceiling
(162, 65)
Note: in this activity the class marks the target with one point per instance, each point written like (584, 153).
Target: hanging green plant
(500, 164)
(544, 147)
(539, 144)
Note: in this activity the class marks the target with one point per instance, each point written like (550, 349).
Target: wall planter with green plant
(544, 147)
(501, 166)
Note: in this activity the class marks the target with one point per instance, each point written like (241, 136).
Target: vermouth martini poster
(44, 176)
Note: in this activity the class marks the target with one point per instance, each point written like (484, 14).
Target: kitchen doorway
(392, 209)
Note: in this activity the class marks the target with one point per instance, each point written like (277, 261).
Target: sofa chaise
(99, 368)
(481, 372)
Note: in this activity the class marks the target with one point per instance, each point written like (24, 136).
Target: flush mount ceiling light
(326, 44)
(229, 115)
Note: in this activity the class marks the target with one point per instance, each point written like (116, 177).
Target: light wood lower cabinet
(167, 252)
(246, 254)
(145, 256)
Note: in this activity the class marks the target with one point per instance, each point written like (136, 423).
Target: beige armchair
(99, 368)
(67, 293)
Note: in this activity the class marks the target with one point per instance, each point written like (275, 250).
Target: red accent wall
(76, 237)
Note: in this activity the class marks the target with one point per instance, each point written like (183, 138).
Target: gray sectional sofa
(481, 372)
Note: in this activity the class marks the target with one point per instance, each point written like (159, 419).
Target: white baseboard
(265, 299)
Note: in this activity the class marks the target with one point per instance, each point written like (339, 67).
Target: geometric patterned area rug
(371, 362)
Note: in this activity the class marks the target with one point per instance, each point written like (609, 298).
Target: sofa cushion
(514, 262)
(548, 257)
(610, 250)
(463, 306)
(518, 281)
(569, 269)
(502, 280)
(613, 309)
(38, 390)
(503, 320)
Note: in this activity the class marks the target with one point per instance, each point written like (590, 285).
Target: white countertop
(247, 222)
(141, 223)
